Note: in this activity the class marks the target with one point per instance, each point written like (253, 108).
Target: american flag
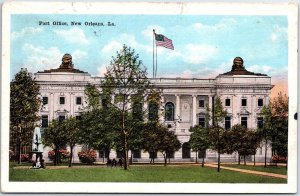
(162, 40)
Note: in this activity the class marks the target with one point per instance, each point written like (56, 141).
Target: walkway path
(249, 171)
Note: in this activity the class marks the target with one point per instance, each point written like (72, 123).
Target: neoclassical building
(242, 93)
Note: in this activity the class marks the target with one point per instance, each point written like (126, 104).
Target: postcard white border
(288, 9)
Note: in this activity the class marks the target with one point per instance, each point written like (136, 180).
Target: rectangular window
(227, 102)
(61, 118)
(78, 100)
(260, 102)
(227, 122)
(201, 103)
(202, 121)
(136, 154)
(153, 155)
(104, 102)
(44, 121)
(170, 154)
(244, 102)
(244, 121)
(260, 122)
(61, 100)
(45, 100)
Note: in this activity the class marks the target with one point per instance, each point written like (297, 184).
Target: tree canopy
(25, 104)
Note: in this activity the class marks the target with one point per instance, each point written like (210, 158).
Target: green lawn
(271, 169)
(187, 173)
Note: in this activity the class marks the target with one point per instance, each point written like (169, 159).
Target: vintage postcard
(149, 97)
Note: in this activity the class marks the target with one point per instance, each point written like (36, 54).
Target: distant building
(243, 94)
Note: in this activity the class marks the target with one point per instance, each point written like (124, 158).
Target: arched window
(153, 111)
(169, 111)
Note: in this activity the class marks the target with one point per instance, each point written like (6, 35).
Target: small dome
(238, 61)
(66, 57)
(66, 62)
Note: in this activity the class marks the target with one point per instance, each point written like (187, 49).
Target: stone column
(112, 99)
(145, 109)
(267, 100)
(51, 107)
(210, 106)
(161, 109)
(177, 112)
(72, 104)
(128, 105)
(194, 110)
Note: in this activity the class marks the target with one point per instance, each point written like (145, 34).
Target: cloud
(264, 69)
(73, 35)
(148, 32)
(279, 33)
(102, 70)
(223, 24)
(111, 47)
(78, 54)
(198, 53)
(41, 58)
(25, 32)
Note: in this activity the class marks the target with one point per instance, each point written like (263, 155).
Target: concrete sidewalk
(249, 171)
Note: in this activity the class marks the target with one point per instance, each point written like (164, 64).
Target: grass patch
(187, 173)
(270, 169)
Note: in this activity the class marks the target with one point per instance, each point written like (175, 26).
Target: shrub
(87, 156)
(279, 159)
(64, 155)
(24, 157)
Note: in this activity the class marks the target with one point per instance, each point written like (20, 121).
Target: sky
(204, 45)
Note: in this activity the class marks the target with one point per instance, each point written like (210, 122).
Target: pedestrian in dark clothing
(43, 165)
(120, 163)
(108, 163)
(114, 163)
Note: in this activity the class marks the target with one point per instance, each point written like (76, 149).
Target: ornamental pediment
(244, 112)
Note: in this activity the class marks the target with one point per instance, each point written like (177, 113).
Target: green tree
(55, 136)
(72, 132)
(267, 129)
(24, 106)
(92, 97)
(199, 140)
(125, 77)
(157, 138)
(216, 131)
(279, 106)
(98, 129)
(168, 142)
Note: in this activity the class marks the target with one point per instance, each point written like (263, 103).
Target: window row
(45, 119)
(260, 102)
(227, 122)
(62, 100)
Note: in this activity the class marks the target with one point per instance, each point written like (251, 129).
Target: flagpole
(153, 50)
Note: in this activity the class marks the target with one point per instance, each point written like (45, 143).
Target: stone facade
(243, 94)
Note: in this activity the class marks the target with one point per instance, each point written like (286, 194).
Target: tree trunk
(219, 158)
(266, 143)
(239, 162)
(244, 159)
(254, 160)
(56, 156)
(103, 155)
(203, 161)
(71, 156)
(19, 146)
(196, 156)
(165, 159)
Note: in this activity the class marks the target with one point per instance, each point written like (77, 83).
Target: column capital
(194, 95)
